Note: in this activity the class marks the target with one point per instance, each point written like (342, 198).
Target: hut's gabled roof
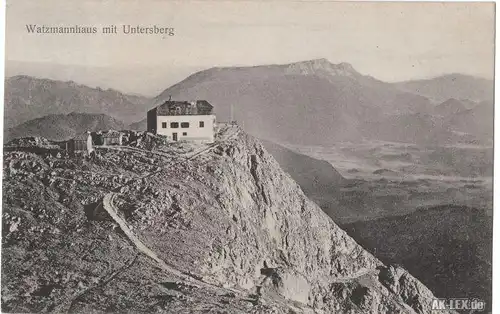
(203, 104)
(176, 107)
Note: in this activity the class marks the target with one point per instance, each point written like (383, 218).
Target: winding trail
(111, 209)
(108, 204)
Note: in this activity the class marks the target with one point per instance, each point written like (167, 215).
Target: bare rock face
(247, 225)
(412, 292)
(228, 219)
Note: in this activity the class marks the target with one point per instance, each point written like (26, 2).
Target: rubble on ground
(229, 218)
(31, 142)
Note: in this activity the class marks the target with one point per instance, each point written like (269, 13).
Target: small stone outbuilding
(80, 143)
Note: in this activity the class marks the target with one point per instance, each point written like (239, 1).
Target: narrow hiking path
(112, 210)
(108, 204)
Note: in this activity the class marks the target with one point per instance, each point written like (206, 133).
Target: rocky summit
(182, 228)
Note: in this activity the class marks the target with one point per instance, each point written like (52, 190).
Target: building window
(164, 125)
(202, 124)
(184, 133)
(184, 125)
(174, 125)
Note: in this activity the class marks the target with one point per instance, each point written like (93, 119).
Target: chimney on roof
(169, 97)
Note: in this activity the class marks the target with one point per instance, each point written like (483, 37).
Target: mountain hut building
(183, 120)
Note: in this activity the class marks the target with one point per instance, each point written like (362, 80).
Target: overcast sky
(390, 41)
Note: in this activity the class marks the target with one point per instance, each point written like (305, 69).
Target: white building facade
(182, 120)
(190, 128)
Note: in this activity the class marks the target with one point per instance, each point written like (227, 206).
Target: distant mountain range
(60, 127)
(311, 102)
(449, 122)
(317, 102)
(477, 120)
(28, 98)
(452, 86)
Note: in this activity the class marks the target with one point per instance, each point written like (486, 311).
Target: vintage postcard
(248, 157)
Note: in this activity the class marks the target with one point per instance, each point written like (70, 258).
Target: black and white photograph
(280, 157)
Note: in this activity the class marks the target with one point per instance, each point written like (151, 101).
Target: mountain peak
(450, 107)
(322, 67)
(319, 61)
(346, 65)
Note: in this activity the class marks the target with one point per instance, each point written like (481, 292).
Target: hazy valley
(393, 178)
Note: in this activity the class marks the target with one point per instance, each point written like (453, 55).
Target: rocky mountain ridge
(316, 66)
(226, 215)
